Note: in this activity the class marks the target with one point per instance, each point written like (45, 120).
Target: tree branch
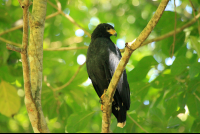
(72, 78)
(172, 32)
(29, 102)
(65, 48)
(14, 48)
(52, 15)
(9, 42)
(35, 54)
(12, 29)
(194, 10)
(69, 18)
(174, 40)
(20, 26)
(124, 60)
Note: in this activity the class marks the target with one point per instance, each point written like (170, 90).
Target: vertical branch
(194, 10)
(124, 60)
(31, 109)
(33, 106)
(174, 40)
(35, 53)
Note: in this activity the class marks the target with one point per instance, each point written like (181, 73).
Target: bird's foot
(101, 99)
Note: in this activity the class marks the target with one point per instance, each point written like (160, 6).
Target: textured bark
(124, 60)
(35, 55)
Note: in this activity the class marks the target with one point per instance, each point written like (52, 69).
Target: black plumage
(103, 57)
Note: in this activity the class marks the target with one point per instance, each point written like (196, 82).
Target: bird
(102, 59)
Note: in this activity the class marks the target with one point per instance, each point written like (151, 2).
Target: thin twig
(194, 10)
(20, 26)
(137, 124)
(65, 48)
(52, 15)
(10, 42)
(12, 29)
(174, 40)
(196, 96)
(20, 2)
(172, 32)
(72, 78)
(14, 48)
(69, 18)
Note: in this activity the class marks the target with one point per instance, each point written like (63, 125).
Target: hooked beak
(112, 32)
(115, 34)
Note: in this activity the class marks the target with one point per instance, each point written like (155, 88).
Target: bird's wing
(123, 86)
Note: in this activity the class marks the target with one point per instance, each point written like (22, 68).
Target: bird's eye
(108, 28)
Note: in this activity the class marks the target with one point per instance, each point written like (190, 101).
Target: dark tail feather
(120, 113)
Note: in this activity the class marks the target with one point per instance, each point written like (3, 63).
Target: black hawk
(103, 57)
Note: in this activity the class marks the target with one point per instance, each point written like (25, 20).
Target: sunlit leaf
(193, 104)
(195, 44)
(179, 65)
(194, 70)
(10, 101)
(163, 80)
(142, 68)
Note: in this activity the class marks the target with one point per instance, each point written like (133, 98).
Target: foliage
(165, 89)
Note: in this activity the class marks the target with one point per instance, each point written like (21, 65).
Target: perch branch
(124, 60)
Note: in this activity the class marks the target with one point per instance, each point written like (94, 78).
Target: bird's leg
(101, 99)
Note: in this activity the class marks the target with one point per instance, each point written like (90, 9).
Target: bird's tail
(120, 113)
(121, 124)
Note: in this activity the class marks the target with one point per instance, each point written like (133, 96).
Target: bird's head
(104, 30)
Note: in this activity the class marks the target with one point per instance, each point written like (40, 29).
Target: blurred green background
(165, 85)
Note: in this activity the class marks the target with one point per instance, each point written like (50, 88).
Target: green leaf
(174, 122)
(194, 70)
(139, 90)
(163, 80)
(5, 74)
(195, 44)
(10, 101)
(195, 126)
(78, 121)
(141, 69)
(193, 104)
(179, 65)
(3, 54)
(64, 112)
(156, 114)
(158, 99)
